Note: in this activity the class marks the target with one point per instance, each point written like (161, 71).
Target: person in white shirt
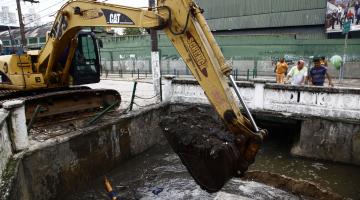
(298, 74)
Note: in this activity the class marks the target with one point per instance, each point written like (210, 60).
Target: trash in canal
(157, 191)
(110, 192)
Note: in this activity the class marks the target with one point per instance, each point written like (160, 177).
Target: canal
(159, 169)
(159, 174)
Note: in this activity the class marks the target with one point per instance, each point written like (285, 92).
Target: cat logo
(114, 17)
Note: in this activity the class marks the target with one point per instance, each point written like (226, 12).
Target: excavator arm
(191, 36)
(182, 21)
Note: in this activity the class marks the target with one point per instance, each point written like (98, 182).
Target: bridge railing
(334, 103)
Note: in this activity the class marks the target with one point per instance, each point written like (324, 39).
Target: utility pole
(155, 57)
(153, 33)
(346, 30)
(21, 23)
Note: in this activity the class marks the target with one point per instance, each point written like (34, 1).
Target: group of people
(300, 75)
(340, 15)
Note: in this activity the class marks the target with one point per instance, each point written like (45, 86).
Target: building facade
(35, 36)
(7, 17)
(252, 35)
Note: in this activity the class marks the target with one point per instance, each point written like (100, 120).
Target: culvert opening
(283, 133)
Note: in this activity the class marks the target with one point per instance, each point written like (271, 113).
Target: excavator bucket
(210, 152)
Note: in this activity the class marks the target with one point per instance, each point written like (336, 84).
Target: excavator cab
(85, 68)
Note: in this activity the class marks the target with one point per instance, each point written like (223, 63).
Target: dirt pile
(299, 187)
(204, 147)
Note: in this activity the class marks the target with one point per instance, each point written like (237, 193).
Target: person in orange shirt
(281, 69)
(323, 61)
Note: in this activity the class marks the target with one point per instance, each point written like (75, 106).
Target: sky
(46, 8)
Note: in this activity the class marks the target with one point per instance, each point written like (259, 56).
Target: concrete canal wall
(330, 125)
(61, 165)
(5, 144)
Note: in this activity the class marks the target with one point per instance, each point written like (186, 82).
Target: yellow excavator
(70, 57)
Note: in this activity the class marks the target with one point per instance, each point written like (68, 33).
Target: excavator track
(63, 101)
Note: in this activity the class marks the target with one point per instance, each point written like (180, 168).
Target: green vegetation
(7, 179)
(133, 31)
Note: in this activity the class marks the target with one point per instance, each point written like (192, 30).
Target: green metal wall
(242, 47)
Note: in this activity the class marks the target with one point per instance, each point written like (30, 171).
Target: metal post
(236, 74)
(255, 68)
(133, 96)
(168, 66)
(248, 113)
(248, 75)
(161, 98)
(138, 72)
(33, 117)
(102, 113)
(342, 69)
(112, 61)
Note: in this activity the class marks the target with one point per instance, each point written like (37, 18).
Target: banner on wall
(341, 11)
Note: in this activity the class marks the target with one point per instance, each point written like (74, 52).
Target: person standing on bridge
(357, 16)
(323, 61)
(281, 69)
(318, 73)
(350, 16)
(298, 73)
(356, 7)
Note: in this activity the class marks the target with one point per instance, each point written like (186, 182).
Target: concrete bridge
(329, 117)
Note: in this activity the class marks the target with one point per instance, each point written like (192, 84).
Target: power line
(36, 27)
(9, 3)
(41, 17)
(32, 1)
(51, 6)
(46, 15)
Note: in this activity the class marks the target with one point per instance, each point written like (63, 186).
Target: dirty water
(160, 169)
(340, 178)
(159, 174)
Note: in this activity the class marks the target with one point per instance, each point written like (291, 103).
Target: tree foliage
(133, 31)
